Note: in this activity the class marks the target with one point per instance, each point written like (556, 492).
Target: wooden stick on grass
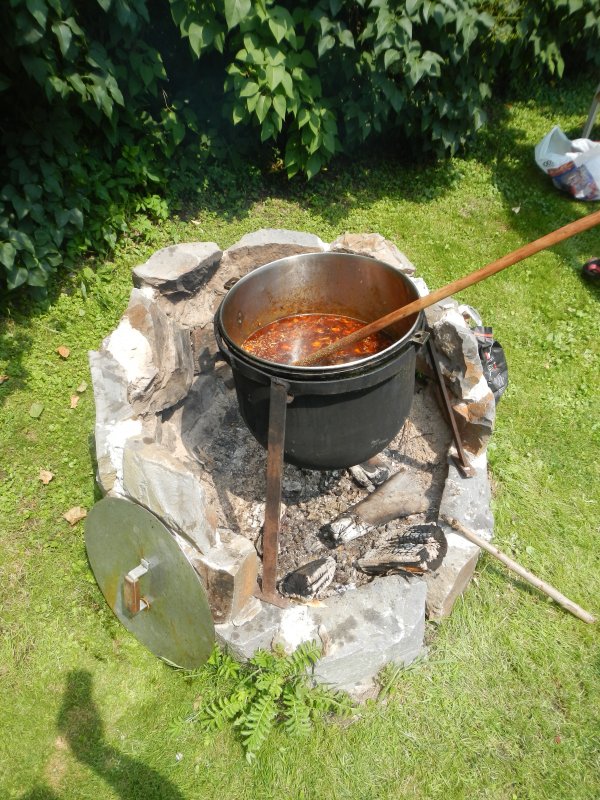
(521, 571)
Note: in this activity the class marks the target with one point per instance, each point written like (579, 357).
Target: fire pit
(361, 554)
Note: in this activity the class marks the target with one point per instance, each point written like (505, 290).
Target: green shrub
(97, 129)
(84, 136)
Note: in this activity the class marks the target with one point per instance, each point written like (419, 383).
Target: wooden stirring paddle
(550, 239)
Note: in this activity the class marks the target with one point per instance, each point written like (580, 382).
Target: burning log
(310, 580)
(400, 496)
(421, 549)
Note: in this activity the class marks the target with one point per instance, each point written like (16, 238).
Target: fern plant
(269, 689)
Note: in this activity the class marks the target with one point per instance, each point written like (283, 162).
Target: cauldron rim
(331, 370)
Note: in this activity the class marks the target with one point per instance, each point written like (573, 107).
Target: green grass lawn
(507, 703)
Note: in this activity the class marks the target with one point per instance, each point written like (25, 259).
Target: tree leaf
(390, 57)
(325, 44)
(196, 36)
(64, 34)
(38, 10)
(249, 89)
(262, 107)
(16, 276)
(279, 105)
(236, 11)
(286, 82)
(63, 351)
(7, 254)
(74, 401)
(346, 38)
(313, 165)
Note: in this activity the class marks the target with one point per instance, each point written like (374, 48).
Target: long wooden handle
(550, 239)
(524, 573)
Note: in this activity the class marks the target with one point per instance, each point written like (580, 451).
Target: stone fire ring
(159, 353)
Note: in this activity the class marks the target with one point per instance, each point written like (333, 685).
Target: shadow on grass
(79, 723)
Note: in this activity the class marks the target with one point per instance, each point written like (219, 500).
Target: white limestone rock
(115, 419)
(154, 353)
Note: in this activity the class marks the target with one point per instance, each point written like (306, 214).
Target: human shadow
(80, 724)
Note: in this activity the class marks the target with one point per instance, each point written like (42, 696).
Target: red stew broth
(292, 338)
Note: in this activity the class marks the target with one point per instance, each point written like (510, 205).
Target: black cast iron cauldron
(340, 415)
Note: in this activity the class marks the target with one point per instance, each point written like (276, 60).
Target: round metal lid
(148, 582)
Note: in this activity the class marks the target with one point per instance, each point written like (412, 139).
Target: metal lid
(148, 582)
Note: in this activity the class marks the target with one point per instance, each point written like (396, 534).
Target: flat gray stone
(468, 501)
(361, 631)
(178, 269)
(380, 623)
(269, 244)
(244, 640)
(445, 586)
(171, 489)
(376, 246)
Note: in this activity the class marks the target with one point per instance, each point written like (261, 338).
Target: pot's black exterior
(335, 423)
(337, 416)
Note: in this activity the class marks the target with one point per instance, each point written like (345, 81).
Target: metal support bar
(461, 460)
(589, 124)
(278, 399)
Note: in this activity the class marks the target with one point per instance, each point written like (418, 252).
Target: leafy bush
(97, 128)
(540, 38)
(82, 144)
(321, 78)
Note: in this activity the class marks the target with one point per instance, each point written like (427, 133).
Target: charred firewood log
(419, 550)
(310, 580)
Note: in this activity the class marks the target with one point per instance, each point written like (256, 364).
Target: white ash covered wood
(421, 549)
(402, 495)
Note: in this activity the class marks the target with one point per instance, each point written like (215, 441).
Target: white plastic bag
(574, 166)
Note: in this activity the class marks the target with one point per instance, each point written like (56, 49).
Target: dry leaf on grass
(4, 378)
(45, 476)
(75, 515)
(74, 400)
(82, 387)
(63, 351)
